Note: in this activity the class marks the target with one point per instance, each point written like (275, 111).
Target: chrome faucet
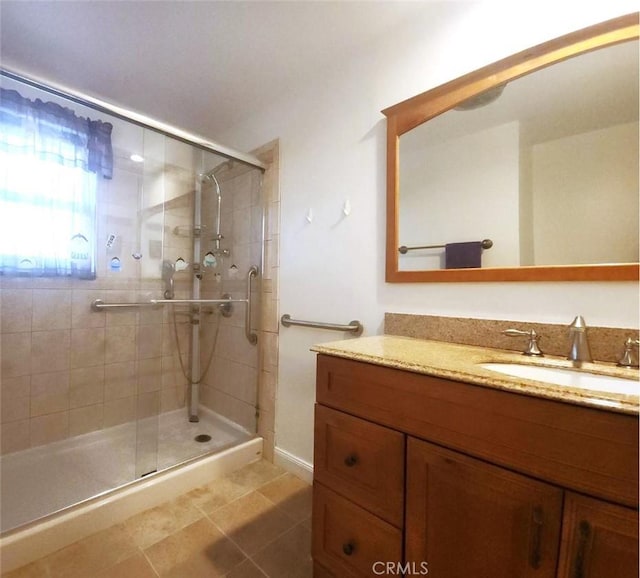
(579, 350)
(629, 357)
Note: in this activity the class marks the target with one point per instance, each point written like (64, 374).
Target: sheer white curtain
(50, 160)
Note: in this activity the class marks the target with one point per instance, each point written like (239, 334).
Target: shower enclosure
(152, 363)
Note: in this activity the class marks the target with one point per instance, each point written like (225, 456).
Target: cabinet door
(466, 518)
(599, 540)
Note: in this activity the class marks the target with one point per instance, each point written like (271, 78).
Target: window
(50, 163)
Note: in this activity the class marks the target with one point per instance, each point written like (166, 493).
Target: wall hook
(346, 208)
(309, 216)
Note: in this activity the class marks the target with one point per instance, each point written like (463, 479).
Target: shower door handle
(251, 336)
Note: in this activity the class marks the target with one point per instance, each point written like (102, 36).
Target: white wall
(463, 189)
(584, 179)
(332, 147)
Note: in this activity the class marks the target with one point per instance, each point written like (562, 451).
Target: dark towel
(463, 255)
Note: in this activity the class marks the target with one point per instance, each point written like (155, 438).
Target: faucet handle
(532, 348)
(629, 357)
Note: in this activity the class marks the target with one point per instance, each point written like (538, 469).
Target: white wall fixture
(309, 217)
(346, 209)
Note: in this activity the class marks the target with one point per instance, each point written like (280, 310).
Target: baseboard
(293, 464)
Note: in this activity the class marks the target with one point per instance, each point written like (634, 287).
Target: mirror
(525, 170)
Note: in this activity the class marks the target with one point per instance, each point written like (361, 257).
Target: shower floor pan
(42, 480)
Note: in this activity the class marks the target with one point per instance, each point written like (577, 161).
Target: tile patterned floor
(253, 523)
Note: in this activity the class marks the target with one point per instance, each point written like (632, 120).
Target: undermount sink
(567, 377)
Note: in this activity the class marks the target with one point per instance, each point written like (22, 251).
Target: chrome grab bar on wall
(354, 327)
(100, 305)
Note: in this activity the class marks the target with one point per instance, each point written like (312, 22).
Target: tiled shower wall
(66, 370)
(250, 213)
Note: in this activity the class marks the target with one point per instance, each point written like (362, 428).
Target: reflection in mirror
(537, 153)
(546, 166)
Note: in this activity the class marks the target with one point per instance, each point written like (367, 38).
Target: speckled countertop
(461, 363)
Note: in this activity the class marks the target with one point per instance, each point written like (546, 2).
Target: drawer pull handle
(348, 548)
(351, 460)
(584, 530)
(537, 520)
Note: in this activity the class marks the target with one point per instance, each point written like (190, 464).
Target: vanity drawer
(348, 540)
(362, 461)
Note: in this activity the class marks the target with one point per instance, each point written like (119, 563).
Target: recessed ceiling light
(136, 158)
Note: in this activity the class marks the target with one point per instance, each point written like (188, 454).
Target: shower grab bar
(485, 243)
(195, 301)
(250, 335)
(354, 327)
(99, 304)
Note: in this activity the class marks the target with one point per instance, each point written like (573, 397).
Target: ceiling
(202, 66)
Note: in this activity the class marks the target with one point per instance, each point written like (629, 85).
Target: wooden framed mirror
(428, 133)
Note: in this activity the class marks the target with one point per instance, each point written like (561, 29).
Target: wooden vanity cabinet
(471, 480)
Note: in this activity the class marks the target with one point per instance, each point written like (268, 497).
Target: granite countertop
(461, 363)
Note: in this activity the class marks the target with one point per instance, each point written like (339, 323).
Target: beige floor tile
(92, 554)
(135, 567)
(34, 570)
(291, 494)
(153, 525)
(199, 549)
(251, 522)
(246, 570)
(289, 556)
(217, 494)
(256, 475)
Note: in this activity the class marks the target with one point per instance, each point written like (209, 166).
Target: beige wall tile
(87, 347)
(149, 341)
(270, 349)
(86, 386)
(15, 387)
(16, 308)
(172, 398)
(50, 428)
(16, 354)
(51, 309)
(234, 379)
(147, 404)
(117, 411)
(85, 419)
(120, 344)
(50, 351)
(266, 421)
(269, 320)
(15, 436)
(15, 409)
(49, 393)
(82, 316)
(149, 375)
(267, 390)
(120, 380)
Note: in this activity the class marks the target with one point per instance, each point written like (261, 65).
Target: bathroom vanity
(428, 463)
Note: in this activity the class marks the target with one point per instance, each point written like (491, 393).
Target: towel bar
(486, 244)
